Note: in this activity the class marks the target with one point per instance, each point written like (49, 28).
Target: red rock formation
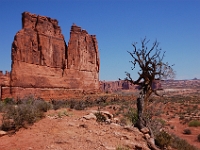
(114, 86)
(42, 62)
(38, 52)
(4, 78)
(82, 51)
(4, 81)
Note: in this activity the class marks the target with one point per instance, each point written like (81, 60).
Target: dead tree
(152, 68)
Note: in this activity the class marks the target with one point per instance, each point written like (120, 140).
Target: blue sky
(117, 24)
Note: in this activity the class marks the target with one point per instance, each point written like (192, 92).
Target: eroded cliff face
(4, 78)
(82, 51)
(42, 60)
(40, 42)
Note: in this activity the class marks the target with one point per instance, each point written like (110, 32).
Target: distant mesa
(43, 65)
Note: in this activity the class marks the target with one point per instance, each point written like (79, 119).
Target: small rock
(71, 124)
(90, 116)
(110, 116)
(152, 140)
(116, 120)
(115, 125)
(83, 126)
(147, 136)
(129, 144)
(129, 128)
(2, 133)
(110, 148)
(108, 120)
(145, 130)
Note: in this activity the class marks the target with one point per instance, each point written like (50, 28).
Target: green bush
(1, 106)
(132, 116)
(122, 148)
(5, 102)
(9, 101)
(23, 113)
(57, 104)
(100, 117)
(163, 139)
(181, 144)
(194, 123)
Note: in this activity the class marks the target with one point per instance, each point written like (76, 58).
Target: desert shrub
(100, 117)
(9, 101)
(4, 103)
(101, 100)
(131, 115)
(122, 148)
(187, 131)
(198, 137)
(57, 104)
(1, 106)
(63, 113)
(163, 139)
(156, 124)
(42, 105)
(78, 105)
(181, 144)
(19, 116)
(23, 114)
(194, 123)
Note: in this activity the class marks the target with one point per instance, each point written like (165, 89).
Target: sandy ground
(66, 129)
(73, 132)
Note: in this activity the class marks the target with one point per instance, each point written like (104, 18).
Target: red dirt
(179, 128)
(72, 132)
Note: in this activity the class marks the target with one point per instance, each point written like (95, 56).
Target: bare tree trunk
(142, 122)
(140, 108)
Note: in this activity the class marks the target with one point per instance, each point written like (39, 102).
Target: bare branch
(151, 65)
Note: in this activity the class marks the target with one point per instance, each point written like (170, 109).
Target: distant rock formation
(43, 65)
(114, 86)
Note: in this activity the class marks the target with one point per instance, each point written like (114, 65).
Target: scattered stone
(115, 125)
(90, 116)
(71, 124)
(108, 121)
(152, 140)
(2, 133)
(147, 136)
(116, 120)
(108, 114)
(83, 126)
(145, 130)
(110, 148)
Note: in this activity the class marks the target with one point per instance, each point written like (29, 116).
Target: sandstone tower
(43, 65)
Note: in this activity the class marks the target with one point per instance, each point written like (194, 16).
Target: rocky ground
(67, 129)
